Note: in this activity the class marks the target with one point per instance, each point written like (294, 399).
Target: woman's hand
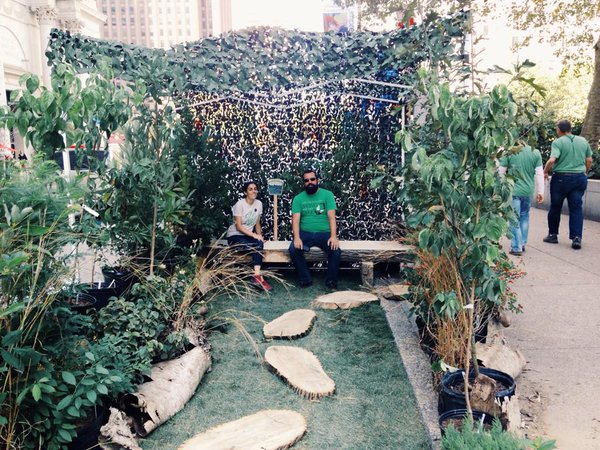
(258, 237)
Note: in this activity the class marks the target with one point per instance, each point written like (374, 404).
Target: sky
(304, 15)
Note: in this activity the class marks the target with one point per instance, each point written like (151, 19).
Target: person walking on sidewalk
(314, 224)
(570, 161)
(525, 166)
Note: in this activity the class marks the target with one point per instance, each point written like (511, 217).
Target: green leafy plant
(469, 437)
(459, 206)
(146, 205)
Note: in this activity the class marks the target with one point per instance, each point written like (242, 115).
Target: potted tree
(460, 209)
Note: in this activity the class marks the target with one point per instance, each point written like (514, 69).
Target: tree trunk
(591, 125)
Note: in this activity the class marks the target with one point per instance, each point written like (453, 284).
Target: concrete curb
(417, 365)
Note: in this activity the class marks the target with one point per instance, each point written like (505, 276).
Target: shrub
(471, 437)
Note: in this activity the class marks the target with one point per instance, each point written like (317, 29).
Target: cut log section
(268, 430)
(500, 357)
(291, 325)
(344, 299)
(394, 291)
(173, 384)
(301, 370)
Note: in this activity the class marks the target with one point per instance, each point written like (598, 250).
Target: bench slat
(277, 251)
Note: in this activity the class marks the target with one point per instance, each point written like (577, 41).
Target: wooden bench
(367, 253)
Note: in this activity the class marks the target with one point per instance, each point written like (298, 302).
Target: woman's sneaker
(259, 282)
(576, 243)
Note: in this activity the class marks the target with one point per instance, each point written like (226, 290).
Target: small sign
(275, 186)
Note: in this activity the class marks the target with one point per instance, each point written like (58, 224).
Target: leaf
(11, 338)
(64, 402)
(91, 396)
(32, 83)
(65, 435)
(36, 392)
(12, 360)
(13, 308)
(102, 389)
(72, 411)
(69, 378)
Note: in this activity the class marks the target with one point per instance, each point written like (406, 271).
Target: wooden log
(301, 370)
(172, 384)
(367, 273)
(352, 251)
(291, 325)
(268, 430)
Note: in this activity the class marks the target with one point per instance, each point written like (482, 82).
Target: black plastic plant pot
(456, 418)
(89, 431)
(453, 397)
(119, 278)
(101, 291)
(79, 301)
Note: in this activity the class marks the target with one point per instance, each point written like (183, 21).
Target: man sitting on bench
(314, 225)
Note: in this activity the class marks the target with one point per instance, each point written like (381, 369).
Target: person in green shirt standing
(570, 161)
(314, 225)
(525, 166)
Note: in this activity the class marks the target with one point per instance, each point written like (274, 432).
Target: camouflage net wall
(341, 136)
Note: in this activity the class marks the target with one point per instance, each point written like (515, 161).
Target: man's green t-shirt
(313, 210)
(570, 152)
(522, 167)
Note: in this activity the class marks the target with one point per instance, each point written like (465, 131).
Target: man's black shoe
(576, 243)
(305, 284)
(515, 252)
(551, 239)
(332, 286)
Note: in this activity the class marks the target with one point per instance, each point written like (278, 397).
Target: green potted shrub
(460, 209)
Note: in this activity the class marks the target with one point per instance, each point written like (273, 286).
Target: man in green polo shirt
(314, 225)
(525, 166)
(570, 161)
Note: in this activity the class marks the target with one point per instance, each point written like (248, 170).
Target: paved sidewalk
(559, 331)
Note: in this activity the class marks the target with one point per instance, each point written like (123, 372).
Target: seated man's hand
(298, 243)
(333, 243)
(539, 198)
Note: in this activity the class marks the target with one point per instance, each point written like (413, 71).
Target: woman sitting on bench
(246, 233)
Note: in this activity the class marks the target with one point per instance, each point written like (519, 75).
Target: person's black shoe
(331, 285)
(305, 284)
(515, 252)
(523, 249)
(551, 239)
(576, 243)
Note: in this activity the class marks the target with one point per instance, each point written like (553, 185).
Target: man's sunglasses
(307, 180)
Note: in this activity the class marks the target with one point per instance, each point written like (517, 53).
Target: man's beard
(311, 188)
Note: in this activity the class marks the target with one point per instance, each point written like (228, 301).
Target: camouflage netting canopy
(276, 101)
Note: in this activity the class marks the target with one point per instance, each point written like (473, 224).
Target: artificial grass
(374, 406)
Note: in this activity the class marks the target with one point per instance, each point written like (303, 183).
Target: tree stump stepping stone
(271, 429)
(291, 325)
(399, 290)
(395, 291)
(301, 370)
(344, 299)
